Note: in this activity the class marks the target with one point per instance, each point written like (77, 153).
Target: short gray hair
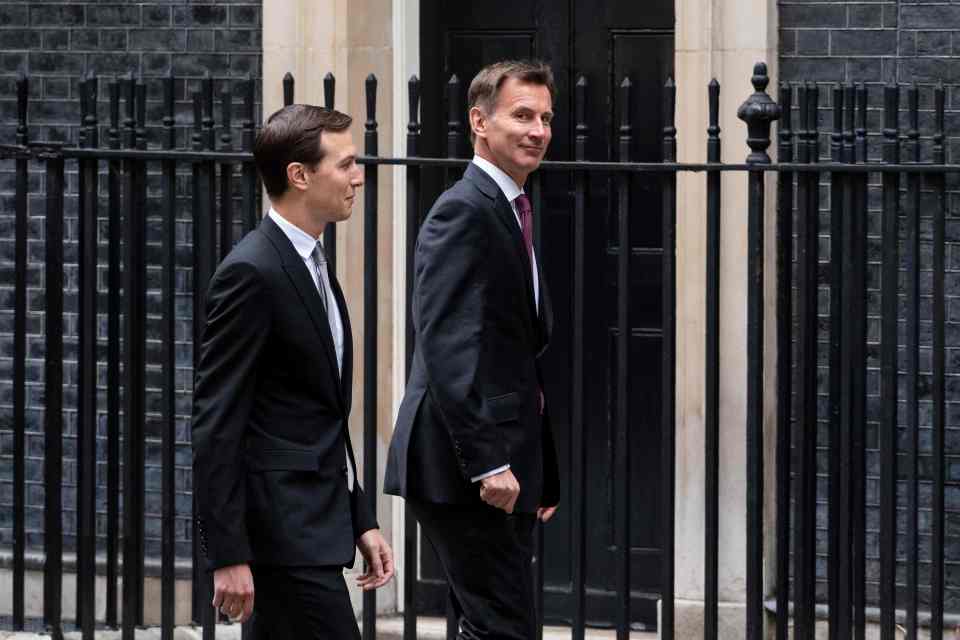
(485, 86)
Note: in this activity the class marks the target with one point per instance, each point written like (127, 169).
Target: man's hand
(500, 490)
(233, 591)
(379, 558)
(545, 513)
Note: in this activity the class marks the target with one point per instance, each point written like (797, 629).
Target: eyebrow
(519, 108)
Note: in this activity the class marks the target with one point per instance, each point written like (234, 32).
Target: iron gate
(223, 196)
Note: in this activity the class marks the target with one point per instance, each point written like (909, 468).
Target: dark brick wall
(55, 43)
(876, 42)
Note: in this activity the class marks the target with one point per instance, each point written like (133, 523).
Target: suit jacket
(472, 399)
(270, 416)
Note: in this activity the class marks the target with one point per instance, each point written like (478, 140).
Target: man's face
(518, 132)
(333, 182)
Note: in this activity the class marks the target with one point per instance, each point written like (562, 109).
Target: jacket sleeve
(451, 294)
(238, 318)
(364, 518)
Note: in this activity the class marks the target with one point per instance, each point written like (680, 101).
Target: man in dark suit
(279, 503)
(472, 451)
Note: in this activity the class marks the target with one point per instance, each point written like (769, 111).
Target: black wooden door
(606, 41)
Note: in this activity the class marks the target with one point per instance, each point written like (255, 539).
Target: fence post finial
(370, 87)
(329, 90)
(453, 116)
(413, 95)
(287, 89)
(23, 90)
(759, 111)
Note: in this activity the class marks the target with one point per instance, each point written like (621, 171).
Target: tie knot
(523, 204)
(319, 255)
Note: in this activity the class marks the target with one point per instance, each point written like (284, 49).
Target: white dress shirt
(510, 190)
(304, 244)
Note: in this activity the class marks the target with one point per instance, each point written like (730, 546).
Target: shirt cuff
(490, 473)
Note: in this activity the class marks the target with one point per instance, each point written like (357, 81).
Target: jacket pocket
(281, 460)
(505, 408)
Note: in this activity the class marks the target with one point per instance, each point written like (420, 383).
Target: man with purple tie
(473, 451)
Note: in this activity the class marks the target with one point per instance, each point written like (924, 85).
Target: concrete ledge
(34, 560)
(688, 619)
(388, 628)
(951, 621)
(224, 632)
(428, 628)
(68, 601)
(731, 622)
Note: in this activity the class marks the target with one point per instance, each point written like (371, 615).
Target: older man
(472, 451)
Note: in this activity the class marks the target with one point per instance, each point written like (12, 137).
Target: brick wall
(876, 42)
(55, 44)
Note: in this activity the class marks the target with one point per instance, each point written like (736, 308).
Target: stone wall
(877, 42)
(55, 43)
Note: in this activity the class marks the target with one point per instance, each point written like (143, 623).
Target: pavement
(388, 628)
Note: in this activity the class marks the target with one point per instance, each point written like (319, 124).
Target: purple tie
(526, 222)
(526, 227)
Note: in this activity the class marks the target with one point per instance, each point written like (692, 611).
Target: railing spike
(371, 92)
(329, 90)
(453, 116)
(413, 92)
(197, 137)
(786, 95)
(580, 101)
(113, 134)
(669, 116)
(141, 130)
(23, 90)
(626, 95)
(226, 114)
(713, 99)
(287, 89)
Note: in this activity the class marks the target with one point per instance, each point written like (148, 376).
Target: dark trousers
(486, 555)
(301, 603)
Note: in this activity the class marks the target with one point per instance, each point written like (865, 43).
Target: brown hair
(293, 134)
(485, 86)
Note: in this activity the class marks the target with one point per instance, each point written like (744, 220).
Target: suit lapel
(346, 379)
(509, 219)
(296, 270)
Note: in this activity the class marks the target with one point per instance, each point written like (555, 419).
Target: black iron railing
(224, 197)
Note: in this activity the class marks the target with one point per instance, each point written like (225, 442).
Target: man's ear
(296, 175)
(478, 122)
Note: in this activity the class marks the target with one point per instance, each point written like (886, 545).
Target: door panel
(606, 41)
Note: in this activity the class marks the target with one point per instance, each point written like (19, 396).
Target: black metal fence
(222, 177)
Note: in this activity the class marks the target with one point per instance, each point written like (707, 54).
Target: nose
(539, 130)
(358, 177)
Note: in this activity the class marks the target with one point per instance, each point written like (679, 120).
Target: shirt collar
(504, 181)
(303, 242)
